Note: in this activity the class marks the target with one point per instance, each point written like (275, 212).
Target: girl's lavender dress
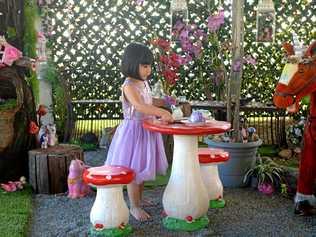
(135, 147)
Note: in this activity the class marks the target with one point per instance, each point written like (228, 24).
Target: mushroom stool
(209, 158)
(109, 214)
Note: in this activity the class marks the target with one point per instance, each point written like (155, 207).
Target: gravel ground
(247, 213)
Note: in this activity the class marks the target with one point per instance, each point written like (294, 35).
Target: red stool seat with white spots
(212, 155)
(109, 210)
(209, 158)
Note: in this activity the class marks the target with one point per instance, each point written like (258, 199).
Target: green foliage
(84, 146)
(30, 34)
(268, 150)
(59, 97)
(266, 171)
(15, 212)
(34, 83)
(8, 104)
(29, 40)
(294, 133)
(11, 33)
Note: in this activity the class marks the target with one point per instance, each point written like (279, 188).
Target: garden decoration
(46, 135)
(109, 214)
(48, 168)
(8, 53)
(265, 21)
(266, 175)
(209, 160)
(185, 199)
(76, 187)
(11, 101)
(13, 186)
(298, 79)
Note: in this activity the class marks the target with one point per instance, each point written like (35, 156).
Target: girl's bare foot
(147, 203)
(139, 214)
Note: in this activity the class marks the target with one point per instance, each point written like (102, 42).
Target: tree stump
(48, 168)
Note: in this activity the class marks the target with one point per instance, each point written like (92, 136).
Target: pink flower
(266, 188)
(10, 54)
(215, 22)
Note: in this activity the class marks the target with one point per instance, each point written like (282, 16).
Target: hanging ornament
(178, 13)
(265, 21)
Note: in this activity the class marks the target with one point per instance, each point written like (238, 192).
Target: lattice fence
(88, 38)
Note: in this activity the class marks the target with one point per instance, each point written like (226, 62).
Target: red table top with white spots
(181, 128)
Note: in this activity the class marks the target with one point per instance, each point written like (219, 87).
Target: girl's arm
(166, 101)
(159, 102)
(134, 98)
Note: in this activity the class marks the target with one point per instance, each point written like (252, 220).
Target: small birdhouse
(265, 21)
(178, 12)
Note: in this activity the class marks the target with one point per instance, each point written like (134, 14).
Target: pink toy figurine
(76, 188)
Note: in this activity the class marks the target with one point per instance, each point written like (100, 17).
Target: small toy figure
(43, 137)
(44, 141)
(76, 187)
(52, 137)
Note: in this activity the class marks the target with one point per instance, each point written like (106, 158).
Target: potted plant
(242, 151)
(266, 175)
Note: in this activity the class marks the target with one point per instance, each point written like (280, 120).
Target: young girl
(132, 145)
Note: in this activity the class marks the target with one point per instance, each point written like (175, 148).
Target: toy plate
(189, 123)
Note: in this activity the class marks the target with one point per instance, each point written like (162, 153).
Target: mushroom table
(185, 199)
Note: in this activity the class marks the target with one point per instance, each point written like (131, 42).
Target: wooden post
(48, 168)
(236, 75)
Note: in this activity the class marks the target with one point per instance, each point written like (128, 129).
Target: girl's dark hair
(134, 55)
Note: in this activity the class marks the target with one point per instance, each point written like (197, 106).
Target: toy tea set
(197, 118)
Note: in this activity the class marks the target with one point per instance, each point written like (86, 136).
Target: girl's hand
(166, 116)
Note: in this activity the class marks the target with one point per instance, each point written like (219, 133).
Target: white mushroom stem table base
(185, 199)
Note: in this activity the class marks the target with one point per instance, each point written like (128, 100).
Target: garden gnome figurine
(76, 187)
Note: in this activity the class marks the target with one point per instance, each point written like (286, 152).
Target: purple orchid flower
(250, 60)
(184, 35)
(179, 26)
(237, 65)
(215, 22)
(186, 45)
(196, 49)
(139, 2)
(187, 58)
(200, 34)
